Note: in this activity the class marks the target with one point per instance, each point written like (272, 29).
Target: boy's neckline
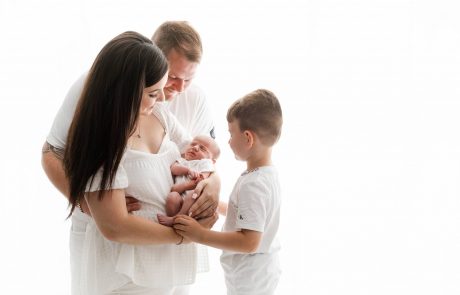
(255, 169)
(249, 171)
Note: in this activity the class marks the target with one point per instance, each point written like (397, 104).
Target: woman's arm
(115, 224)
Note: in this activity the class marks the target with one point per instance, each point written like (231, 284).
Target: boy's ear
(249, 137)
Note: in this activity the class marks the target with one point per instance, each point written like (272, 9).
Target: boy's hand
(188, 227)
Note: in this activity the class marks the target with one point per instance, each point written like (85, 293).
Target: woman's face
(151, 95)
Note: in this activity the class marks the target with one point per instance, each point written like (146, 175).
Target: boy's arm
(244, 241)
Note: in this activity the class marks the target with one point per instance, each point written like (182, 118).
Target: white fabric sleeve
(252, 206)
(120, 180)
(193, 112)
(60, 128)
(202, 120)
(205, 165)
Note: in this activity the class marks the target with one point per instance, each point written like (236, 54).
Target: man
(182, 46)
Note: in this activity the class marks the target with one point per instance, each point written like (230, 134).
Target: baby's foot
(165, 220)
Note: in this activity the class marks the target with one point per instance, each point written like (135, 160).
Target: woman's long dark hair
(108, 110)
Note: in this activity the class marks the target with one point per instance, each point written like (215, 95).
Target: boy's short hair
(260, 112)
(179, 35)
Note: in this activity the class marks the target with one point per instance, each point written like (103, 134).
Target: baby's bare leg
(186, 202)
(173, 203)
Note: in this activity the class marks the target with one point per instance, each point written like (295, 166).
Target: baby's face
(198, 149)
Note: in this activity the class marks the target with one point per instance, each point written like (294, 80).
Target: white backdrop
(369, 157)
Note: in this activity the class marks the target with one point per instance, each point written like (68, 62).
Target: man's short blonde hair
(180, 36)
(260, 112)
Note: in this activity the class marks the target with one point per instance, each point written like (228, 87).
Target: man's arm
(207, 194)
(244, 241)
(54, 169)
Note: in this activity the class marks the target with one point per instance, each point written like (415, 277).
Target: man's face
(181, 73)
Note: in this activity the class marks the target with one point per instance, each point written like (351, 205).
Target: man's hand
(132, 204)
(188, 227)
(207, 195)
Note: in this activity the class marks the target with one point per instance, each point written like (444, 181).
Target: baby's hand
(192, 174)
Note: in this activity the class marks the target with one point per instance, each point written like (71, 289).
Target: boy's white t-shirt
(254, 204)
(190, 108)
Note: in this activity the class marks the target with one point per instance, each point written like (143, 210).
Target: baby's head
(202, 147)
(258, 112)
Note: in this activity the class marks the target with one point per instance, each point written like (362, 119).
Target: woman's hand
(207, 197)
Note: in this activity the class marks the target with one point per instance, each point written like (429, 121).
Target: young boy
(248, 240)
(197, 164)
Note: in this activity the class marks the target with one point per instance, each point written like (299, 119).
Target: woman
(119, 144)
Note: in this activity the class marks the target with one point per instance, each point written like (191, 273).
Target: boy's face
(238, 141)
(198, 149)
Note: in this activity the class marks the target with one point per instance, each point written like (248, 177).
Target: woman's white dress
(99, 265)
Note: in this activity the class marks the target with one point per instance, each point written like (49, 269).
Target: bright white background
(369, 157)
